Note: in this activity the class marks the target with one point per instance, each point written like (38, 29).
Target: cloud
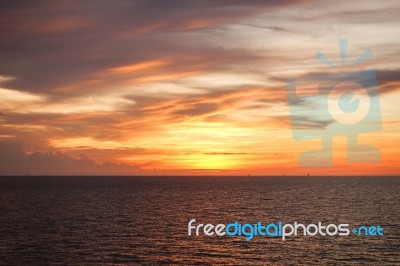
(309, 122)
(146, 83)
(232, 153)
(198, 109)
(15, 161)
(56, 44)
(388, 80)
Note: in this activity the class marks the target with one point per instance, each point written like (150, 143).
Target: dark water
(128, 220)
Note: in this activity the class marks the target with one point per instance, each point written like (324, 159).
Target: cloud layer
(150, 87)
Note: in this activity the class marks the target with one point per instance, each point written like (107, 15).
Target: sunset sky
(182, 87)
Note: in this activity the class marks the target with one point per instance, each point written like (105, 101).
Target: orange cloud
(143, 66)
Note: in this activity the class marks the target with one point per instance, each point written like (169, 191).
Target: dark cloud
(307, 122)
(15, 161)
(198, 109)
(388, 80)
(48, 45)
(300, 122)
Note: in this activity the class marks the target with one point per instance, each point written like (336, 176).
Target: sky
(184, 87)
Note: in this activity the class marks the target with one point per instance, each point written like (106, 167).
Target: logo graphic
(328, 105)
(280, 229)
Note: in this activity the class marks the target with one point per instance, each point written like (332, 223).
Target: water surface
(142, 220)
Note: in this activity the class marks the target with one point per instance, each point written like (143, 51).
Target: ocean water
(143, 220)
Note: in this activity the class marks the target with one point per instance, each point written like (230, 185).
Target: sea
(123, 220)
